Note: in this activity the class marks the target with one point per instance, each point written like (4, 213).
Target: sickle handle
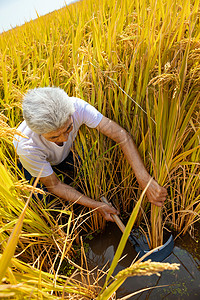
(115, 217)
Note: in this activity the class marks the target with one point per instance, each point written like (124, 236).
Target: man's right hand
(106, 211)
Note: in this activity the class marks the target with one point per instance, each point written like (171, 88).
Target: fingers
(113, 211)
(157, 203)
(109, 218)
(156, 194)
(107, 211)
(110, 209)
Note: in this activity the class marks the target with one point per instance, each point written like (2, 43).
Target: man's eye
(68, 128)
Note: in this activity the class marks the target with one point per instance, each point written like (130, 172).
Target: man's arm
(155, 193)
(66, 192)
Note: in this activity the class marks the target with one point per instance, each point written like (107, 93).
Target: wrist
(93, 204)
(144, 179)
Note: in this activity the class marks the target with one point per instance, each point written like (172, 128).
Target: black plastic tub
(141, 246)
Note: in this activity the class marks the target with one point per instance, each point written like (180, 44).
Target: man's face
(60, 135)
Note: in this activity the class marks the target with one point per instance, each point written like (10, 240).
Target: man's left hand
(156, 193)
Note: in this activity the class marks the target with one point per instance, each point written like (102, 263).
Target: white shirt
(35, 152)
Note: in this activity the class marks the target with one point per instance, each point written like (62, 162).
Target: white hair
(46, 109)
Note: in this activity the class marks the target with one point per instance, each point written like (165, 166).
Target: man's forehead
(59, 130)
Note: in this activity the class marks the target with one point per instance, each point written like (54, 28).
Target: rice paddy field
(138, 63)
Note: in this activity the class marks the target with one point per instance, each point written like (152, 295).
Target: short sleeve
(87, 114)
(34, 164)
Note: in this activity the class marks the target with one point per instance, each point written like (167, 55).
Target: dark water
(182, 284)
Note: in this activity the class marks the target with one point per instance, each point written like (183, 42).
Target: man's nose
(63, 137)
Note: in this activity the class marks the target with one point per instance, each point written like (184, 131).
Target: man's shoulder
(85, 113)
(78, 102)
(26, 140)
(82, 105)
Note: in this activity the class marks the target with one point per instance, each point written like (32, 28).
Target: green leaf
(121, 245)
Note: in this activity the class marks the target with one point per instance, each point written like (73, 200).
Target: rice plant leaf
(13, 239)
(188, 115)
(182, 156)
(125, 235)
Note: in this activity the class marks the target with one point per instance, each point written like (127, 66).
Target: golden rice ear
(7, 133)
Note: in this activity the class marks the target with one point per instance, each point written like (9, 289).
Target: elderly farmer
(52, 120)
